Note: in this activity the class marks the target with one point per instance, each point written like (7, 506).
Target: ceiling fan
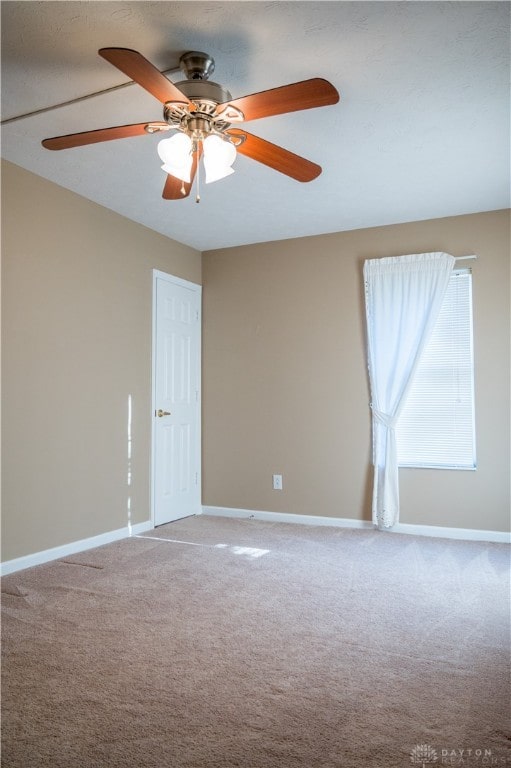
(203, 114)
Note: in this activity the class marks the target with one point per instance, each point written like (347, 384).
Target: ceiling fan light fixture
(176, 154)
(219, 155)
(202, 113)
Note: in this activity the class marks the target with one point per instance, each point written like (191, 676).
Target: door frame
(196, 287)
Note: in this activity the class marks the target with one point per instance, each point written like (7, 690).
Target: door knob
(161, 413)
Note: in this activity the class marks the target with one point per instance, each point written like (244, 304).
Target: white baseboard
(286, 517)
(464, 534)
(28, 561)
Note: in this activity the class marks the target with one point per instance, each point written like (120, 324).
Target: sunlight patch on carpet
(247, 551)
(250, 552)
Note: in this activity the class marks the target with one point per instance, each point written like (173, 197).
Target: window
(436, 425)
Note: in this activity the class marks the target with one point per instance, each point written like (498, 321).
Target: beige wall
(76, 312)
(284, 372)
(284, 376)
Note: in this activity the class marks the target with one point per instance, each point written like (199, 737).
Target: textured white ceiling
(421, 131)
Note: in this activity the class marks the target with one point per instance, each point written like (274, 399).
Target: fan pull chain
(197, 198)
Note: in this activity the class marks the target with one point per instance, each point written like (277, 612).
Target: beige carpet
(261, 646)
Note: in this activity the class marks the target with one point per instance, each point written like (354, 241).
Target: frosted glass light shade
(219, 155)
(176, 154)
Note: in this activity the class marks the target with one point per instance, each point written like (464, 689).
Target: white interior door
(176, 398)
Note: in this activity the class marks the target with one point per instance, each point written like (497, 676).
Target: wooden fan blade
(175, 189)
(103, 134)
(139, 69)
(276, 157)
(288, 98)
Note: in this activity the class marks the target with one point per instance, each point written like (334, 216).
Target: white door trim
(158, 274)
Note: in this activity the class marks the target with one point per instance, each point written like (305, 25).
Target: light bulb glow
(176, 154)
(219, 155)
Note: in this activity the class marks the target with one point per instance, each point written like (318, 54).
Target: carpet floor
(240, 643)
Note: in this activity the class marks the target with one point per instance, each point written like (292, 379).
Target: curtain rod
(464, 258)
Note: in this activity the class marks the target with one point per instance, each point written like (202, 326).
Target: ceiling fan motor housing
(205, 96)
(201, 91)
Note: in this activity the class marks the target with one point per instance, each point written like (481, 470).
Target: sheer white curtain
(403, 298)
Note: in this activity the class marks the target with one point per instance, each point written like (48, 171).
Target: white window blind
(436, 426)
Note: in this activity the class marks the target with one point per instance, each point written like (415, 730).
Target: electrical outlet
(277, 482)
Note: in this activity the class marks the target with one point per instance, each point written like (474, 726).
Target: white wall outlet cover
(277, 482)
